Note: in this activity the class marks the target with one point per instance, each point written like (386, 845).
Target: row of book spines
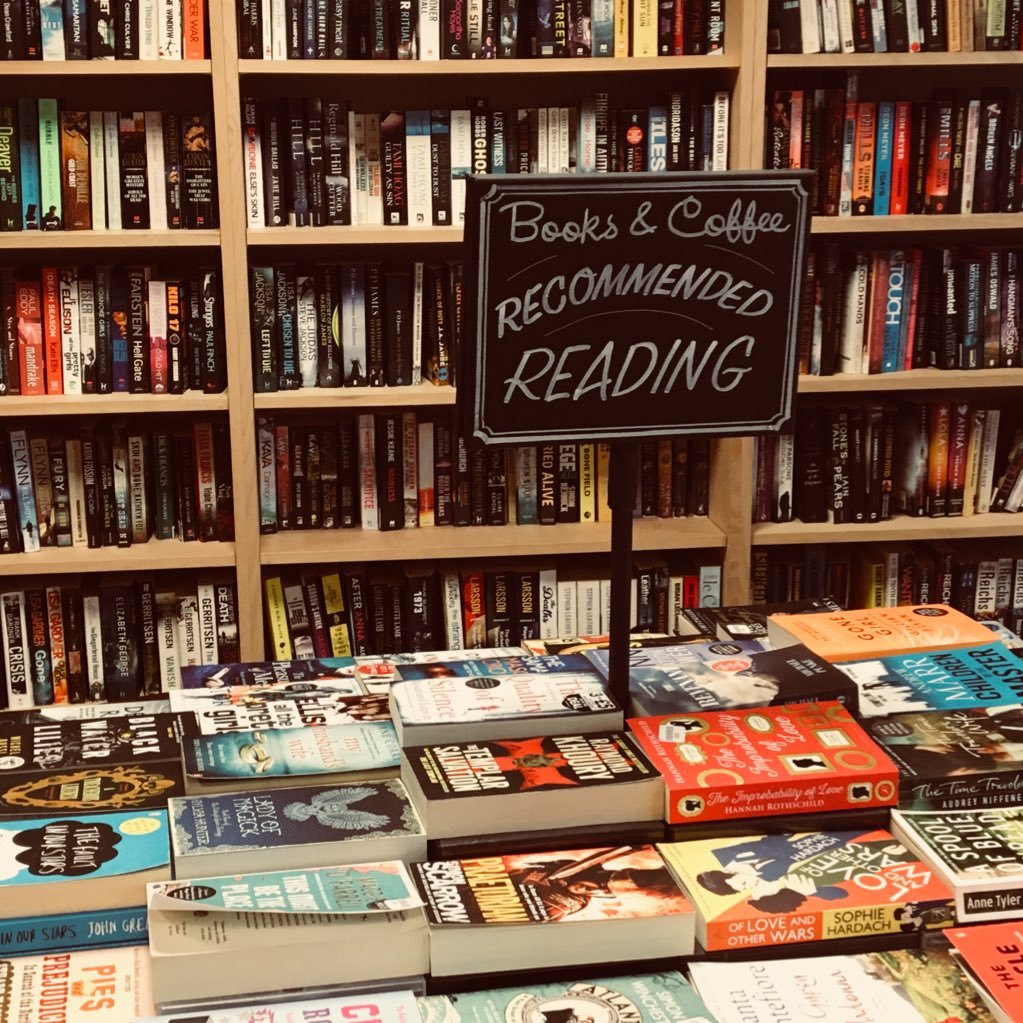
(96, 170)
(355, 325)
(978, 581)
(407, 168)
(103, 30)
(364, 611)
(114, 488)
(115, 641)
(397, 471)
(899, 309)
(478, 29)
(866, 463)
(105, 330)
(875, 158)
(912, 26)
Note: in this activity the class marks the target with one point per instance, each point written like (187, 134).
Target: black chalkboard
(618, 306)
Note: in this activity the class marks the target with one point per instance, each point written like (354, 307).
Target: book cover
(792, 888)
(988, 955)
(804, 757)
(295, 710)
(878, 632)
(96, 929)
(380, 1006)
(982, 676)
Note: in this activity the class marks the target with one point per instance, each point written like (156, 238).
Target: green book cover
(49, 166)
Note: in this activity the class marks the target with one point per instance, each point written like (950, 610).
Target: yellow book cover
(277, 618)
(954, 21)
(644, 28)
(337, 623)
(603, 467)
(877, 632)
(621, 28)
(973, 451)
(587, 483)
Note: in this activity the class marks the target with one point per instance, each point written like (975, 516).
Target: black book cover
(104, 344)
(104, 455)
(390, 489)
(392, 158)
(337, 188)
(173, 169)
(347, 476)
(38, 636)
(480, 132)
(376, 359)
(119, 615)
(665, 28)
(497, 487)
(863, 35)
(1010, 174)
(424, 628)
(186, 487)
(461, 490)
(289, 377)
(74, 643)
(309, 16)
(922, 123)
(76, 29)
(250, 30)
(403, 30)
(526, 618)
(695, 28)
(437, 355)
(568, 483)
(293, 20)
(314, 515)
(381, 638)
(225, 483)
(200, 194)
(272, 139)
(9, 344)
(339, 29)
(362, 25)
(299, 484)
(315, 162)
(380, 30)
(985, 188)
(138, 331)
(443, 475)
(10, 186)
(841, 474)
(934, 26)
(358, 608)
(477, 485)
(61, 492)
(896, 26)
(297, 178)
(790, 29)
(134, 186)
(398, 327)
(91, 486)
(811, 465)
(440, 166)
(165, 515)
(329, 477)
(859, 495)
(328, 372)
(150, 653)
(127, 12)
(193, 334)
(262, 298)
(10, 529)
(456, 312)
(547, 484)
(955, 178)
(454, 29)
(497, 590)
(227, 623)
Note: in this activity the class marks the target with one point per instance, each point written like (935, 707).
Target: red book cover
(51, 330)
(902, 135)
(474, 616)
(939, 159)
(878, 310)
(865, 145)
(734, 764)
(193, 32)
(690, 591)
(30, 338)
(993, 954)
(282, 447)
(917, 259)
(678, 39)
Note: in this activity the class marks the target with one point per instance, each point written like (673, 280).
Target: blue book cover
(657, 139)
(51, 25)
(99, 928)
(896, 311)
(21, 460)
(644, 998)
(883, 159)
(956, 679)
(493, 667)
(28, 142)
(602, 28)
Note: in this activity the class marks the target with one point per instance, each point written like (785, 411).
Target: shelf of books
(115, 404)
(348, 235)
(46, 241)
(896, 63)
(901, 527)
(918, 224)
(150, 556)
(911, 380)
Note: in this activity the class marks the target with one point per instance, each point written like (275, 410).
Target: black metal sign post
(618, 307)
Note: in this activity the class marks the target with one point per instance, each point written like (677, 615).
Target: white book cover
(417, 322)
(352, 316)
(587, 163)
(461, 162)
(988, 452)
(15, 645)
(605, 607)
(850, 352)
(169, 35)
(970, 154)
(710, 585)
(568, 619)
(358, 174)
(255, 203)
(369, 509)
(87, 321)
(159, 365)
(206, 598)
(720, 139)
(847, 41)
(188, 630)
(278, 29)
(830, 34)
(21, 462)
(374, 173)
(409, 469)
(915, 32)
(562, 164)
(76, 493)
(266, 24)
(542, 140)
(588, 606)
(809, 23)
(111, 162)
(167, 640)
(426, 497)
(417, 168)
(149, 29)
(154, 171)
(307, 328)
(429, 30)
(986, 597)
(92, 626)
(139, 513)
(550, 626)
(97, 194)
(451, 596)
(70, 353)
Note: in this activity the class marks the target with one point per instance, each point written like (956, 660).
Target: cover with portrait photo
(510, 912)
(725, 674)
(762, 762)
(813, 886)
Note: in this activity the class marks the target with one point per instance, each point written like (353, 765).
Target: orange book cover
(31, 357)
(937, 459)
(74, 164)
(865, 145)
(879, 268)
(900, 158)
(993, 954)
(193, 30)
(939, 156)
(51, 330)
(789, 889)
(765, 761)
(862, 635)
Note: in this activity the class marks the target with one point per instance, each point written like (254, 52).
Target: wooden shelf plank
(103, 68)
(480, 69)
(911, 380)
(147, 557)
(990, 524)
(423, 395)
(110, 404)
(894, 61)
(107, 239)
(348, 545)
(918, 224)
(378, 235)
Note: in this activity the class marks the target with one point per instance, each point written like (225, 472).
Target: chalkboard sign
(619, 306)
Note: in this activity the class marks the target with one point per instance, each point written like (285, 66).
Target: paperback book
(297, 710)
(988, 954)
(743, 621)
(514, 785)
(728, 765)
(816, 886)
(285, 829)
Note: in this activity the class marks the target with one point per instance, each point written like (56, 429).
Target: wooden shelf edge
(913, 379)
(368, 235)
(482, 541)
(990, 524)
(918, 224)
(900, 61)
(152, 556)
(423, 395)
(107, 239)
(102, 68)
(499, 68)
(110, 404)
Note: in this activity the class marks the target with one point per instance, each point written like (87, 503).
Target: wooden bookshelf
(156, 555)
(894, 62)
(260, 237)
(906, 225)
(106, 69)
(911, 380)
(342, 398)
(902, 527)
(111, 404)
(44, 241)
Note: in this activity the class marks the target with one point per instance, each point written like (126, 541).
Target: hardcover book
(511, 912)
(792, 888)
(517, 785)
(975, 852)
(293, 828)
(801, 758)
